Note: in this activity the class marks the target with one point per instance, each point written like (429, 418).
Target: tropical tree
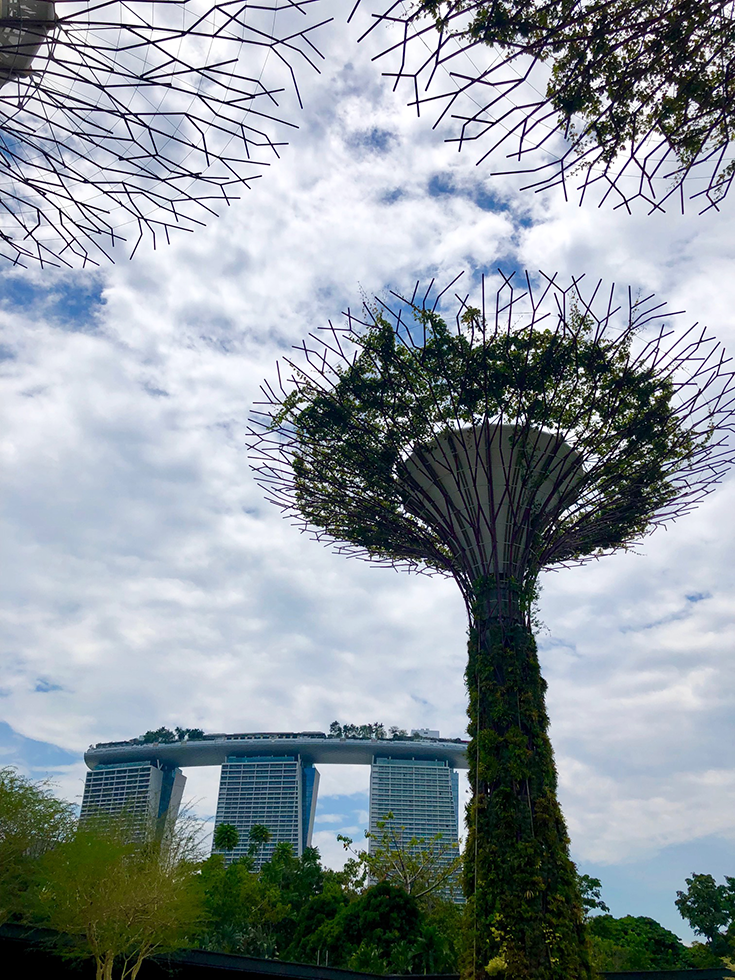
(590, 890)
(636, 943)
(116, 900)
(258, 837)
(490, 452)
(420, 867)
(32, 821)
(162, 734)
(242, 913)
(379, 928)
(226, 837)
(709, 908)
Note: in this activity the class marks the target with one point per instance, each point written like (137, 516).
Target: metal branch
(138, 116)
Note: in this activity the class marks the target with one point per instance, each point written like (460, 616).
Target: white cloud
(147, 582)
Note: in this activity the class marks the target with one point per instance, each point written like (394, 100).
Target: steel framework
(427, 538)
(499, 97)
(125, 119)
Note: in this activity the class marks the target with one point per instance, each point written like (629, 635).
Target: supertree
(625, 99)
(552, 428)
(121, 119)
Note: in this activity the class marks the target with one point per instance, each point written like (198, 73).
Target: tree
(420, 867)
(32, 822)
(297, 879)
(189, 734)
(162, 734)
(226, 837)
(374, 730)
(381, 919)
(636, 943)
(590, 890)
(708, 908)
(242, 913)
(114, 899)
(166, 736)
(630, 83)
(258, 836)
(384, 442)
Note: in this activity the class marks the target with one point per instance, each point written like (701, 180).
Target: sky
(146, 581)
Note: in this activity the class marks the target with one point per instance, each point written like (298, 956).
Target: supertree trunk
(523, 913)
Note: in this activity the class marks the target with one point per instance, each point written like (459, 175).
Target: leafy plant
(116, 900)
(420, 867)
(226, 837)
(32, 822)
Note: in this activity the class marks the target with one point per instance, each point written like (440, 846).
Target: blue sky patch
(43, 686)
(74, 303)
(441, 185)
(390, 197)
(31, 754)
(375, 140)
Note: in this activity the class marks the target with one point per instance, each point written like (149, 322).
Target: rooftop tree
(554, 429)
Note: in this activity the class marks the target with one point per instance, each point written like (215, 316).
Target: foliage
(375, 730)
(382, 918)
(619, 69)
(226, 837)
(316, 937)
(32, 822)
(636, 943)
(242, 913)
(116, 900)
(701, 957)
(166, 736)
(258, 836)
(590, 891)
(420, 867)
(295, 910)
(515, 830)
(383, 930)
(708, 908)
(351, 436)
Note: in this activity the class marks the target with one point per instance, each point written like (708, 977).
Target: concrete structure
(315, 748)
(269, 778)
(483, 487)
(147, 793)
(423, 797)
(278, 792)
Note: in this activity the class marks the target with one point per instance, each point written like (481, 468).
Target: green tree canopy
(226, 837)
(636, 943)
(590, 890)
(347, 429)
(421, 867)
(32, 822)
(258, 836)
(115, 900)
(708, 908)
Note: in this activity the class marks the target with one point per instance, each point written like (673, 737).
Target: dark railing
(25, 952)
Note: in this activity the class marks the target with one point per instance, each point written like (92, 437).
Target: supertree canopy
(626, 99)
(543, 429)
(125, 119)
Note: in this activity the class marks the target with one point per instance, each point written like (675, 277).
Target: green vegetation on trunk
(523, 900)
